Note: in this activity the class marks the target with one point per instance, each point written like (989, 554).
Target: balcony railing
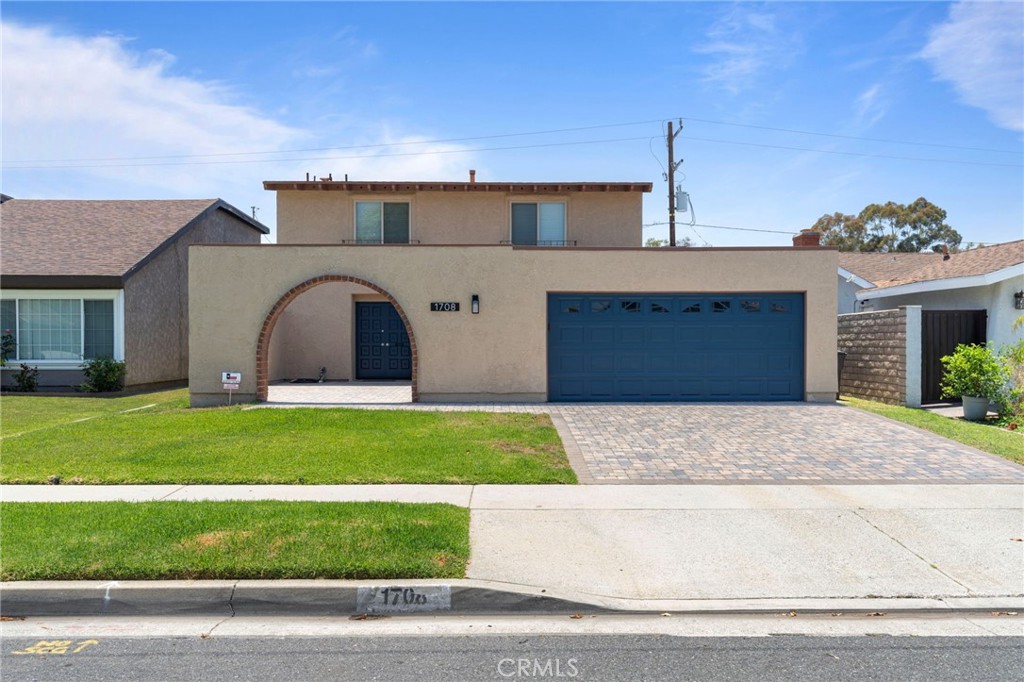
(544, 242)
(378, 242)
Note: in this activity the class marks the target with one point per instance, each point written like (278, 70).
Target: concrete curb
(417, 597)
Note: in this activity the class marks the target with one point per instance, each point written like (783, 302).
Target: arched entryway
(266, 332)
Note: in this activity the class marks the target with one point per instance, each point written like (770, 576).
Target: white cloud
(871, 106)
(69, 98)
(980, 50)
(743, 44)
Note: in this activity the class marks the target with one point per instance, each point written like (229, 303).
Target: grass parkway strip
(69, 440)
(985, 437)
(232, 540)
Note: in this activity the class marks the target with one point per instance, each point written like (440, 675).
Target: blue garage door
(675, 347)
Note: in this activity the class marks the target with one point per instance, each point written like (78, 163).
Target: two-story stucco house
(507, 291)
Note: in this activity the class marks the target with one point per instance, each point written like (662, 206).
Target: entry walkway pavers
(738, 443)
(341, 392)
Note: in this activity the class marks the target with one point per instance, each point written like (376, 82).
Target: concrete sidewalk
(659, 547)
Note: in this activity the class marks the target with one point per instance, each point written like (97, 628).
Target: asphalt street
(579, 657)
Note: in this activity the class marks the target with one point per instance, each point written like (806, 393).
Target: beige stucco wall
(500, 353)
(317, 330)
(996, 299)
(592, 218)
(156, 303)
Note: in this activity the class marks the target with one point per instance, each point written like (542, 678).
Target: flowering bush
(6, 346)
(27, 378)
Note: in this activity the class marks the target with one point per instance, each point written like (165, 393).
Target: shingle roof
(894, 269)
(94, 238)
(881, 267)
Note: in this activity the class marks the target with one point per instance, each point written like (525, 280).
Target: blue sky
(220, 96)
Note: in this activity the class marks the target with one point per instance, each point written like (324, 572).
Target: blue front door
(675, 347)
(382, 344)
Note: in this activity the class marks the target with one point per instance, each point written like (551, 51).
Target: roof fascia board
(856, 279)
(513, 187)
(252, 222)
(1016, 270)
(12, 282)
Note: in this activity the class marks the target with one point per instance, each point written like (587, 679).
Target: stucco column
(912, 365)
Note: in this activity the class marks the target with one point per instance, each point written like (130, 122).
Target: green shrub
(103, 374)
(1010, 401)
(27, 378)
(972, 370)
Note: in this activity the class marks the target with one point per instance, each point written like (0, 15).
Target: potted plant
(974, 374)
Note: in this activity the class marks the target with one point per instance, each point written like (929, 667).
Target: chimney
(472, 176)
(807, 238)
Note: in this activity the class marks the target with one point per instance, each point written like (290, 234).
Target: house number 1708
(403, 598)
(444, 306)
(393, 596)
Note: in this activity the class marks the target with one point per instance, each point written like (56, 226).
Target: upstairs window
(382, 222)
(539, 223)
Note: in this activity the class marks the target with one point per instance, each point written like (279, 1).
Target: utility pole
(672, 165)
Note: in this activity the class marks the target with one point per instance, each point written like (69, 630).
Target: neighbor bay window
(382, 222)
(56, 329)
(538, 223)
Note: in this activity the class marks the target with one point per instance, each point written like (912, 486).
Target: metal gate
(941, 332)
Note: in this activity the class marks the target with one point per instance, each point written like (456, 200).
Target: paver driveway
(720, 443)
(785, 442)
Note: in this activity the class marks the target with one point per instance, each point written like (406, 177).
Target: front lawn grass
(20, 414)
(302, 445)
(986, 437)
(232, 540)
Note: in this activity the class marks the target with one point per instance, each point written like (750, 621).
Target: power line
(863, 154)
(348, 147)
(792, 232)
(329, 158)
(11, 164)
(728, 227)
(854, 137)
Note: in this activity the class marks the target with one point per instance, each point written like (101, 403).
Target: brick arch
(263, 344)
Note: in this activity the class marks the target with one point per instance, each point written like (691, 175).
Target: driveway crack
(932, 565)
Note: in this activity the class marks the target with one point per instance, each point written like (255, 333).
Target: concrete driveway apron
(764, 443)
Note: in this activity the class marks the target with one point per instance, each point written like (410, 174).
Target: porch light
(474, 305)
(1018, 300)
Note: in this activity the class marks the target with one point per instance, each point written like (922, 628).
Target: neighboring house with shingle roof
(989, 278)
(83, 279)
